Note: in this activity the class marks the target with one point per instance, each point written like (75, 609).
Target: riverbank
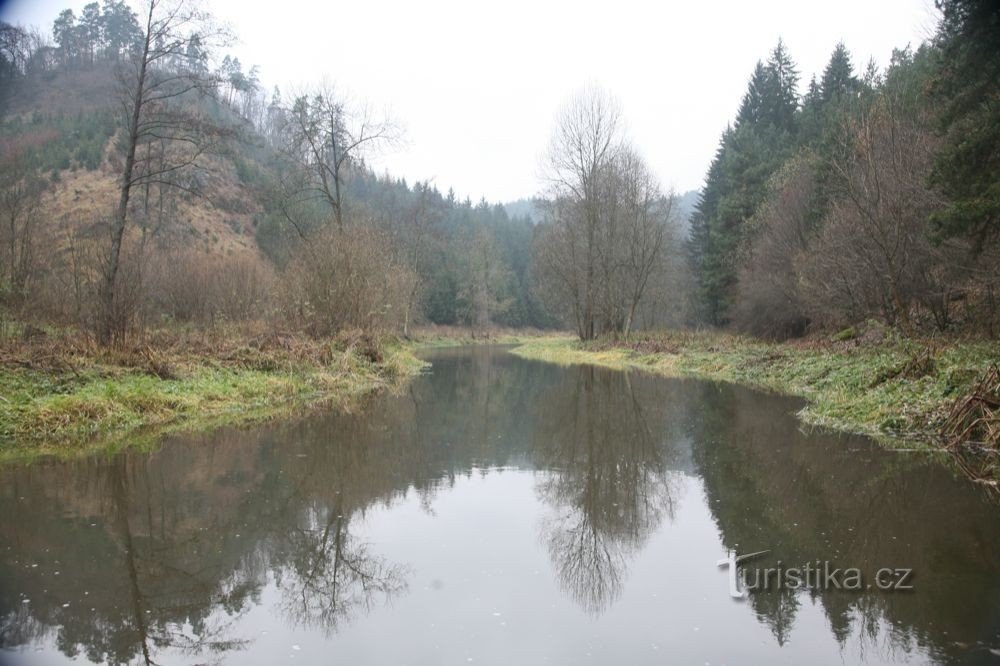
(457, 336)
(880, 385)
(64, 396)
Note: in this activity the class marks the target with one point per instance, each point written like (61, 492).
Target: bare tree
(588, 136)
(20, 199)
(160, 104)
(556, 253)
(328, 135)
(645, 217)
(874, 255)
(778, 235)
(609, 221)
(350, 279)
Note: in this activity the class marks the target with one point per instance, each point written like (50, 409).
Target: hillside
(249, 185)
(68, 118)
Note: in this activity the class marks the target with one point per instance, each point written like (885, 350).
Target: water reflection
(841, 499)
(612, 485)
(170, 556)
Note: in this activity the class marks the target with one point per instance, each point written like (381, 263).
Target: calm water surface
(497, 511)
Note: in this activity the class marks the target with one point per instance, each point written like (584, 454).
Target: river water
(503, 511)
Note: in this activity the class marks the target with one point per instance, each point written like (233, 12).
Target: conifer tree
(967, 170)
(781, 97)
(751, 107)
(838, 77)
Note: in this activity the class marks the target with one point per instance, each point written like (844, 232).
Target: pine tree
(64, 31)
(838, 77)
(701, 248)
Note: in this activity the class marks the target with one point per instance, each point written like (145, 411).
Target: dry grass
(61, 393)
(453, 336)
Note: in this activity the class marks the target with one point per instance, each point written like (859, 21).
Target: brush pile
(974, 421)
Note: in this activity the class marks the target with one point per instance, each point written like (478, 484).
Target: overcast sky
(477, 85)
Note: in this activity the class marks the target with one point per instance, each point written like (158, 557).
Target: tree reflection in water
(332, 576)
(167, 553)
(611, 485)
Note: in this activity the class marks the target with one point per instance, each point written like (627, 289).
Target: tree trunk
(106, 330)
(336, 174)
(628, 321)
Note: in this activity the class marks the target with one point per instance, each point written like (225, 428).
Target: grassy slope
(880, 389)
(96, 403)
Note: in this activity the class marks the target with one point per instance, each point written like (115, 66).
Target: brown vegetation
(347, 279)
(872, 253)
(611, 226)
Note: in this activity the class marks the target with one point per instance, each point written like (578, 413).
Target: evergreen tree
(751, 107)
(781, 97)
(701, 250)
(838, 77)
(64, 32)
(749, 153)
(811, 117)
(968, 168)
(90, 29)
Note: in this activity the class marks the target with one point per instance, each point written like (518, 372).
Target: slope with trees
(871, 196)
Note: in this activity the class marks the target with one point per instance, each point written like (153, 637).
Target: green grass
(107, 407)
(880, 389)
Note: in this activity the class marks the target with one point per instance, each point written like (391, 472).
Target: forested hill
(190, 194)
(248, 202)
(861, 193)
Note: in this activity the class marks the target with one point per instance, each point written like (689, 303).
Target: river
(503, 511)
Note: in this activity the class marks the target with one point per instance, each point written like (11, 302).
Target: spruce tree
(781, 97)
(838, 77)
(751, 107)
(749, 153)
(967, 171)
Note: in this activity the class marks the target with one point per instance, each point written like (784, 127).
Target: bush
(347, 279)
(194, 287)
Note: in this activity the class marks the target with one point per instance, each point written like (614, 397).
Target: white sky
(477, 85)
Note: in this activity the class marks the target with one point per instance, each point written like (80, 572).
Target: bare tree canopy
(328, 135)
(610, 222)
(165, 137)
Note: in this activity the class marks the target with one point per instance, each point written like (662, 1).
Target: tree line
(341, 246)
(873, 195)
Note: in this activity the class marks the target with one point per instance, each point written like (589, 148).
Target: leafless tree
(350, 279)
(587, 138)
(778, 235)
(20, 200)
(873, 256)
(609, 222)
(328, 135)
(645, 232)
(159, 103)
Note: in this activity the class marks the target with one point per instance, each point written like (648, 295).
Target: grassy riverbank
(456, 336)
(62, 396)
(880, 385)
